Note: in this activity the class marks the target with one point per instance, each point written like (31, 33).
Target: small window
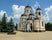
(42, 23)
(39, 13)
(30, 10)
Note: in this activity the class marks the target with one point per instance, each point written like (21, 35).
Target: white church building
(30, 22)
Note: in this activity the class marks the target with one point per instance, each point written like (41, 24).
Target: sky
(14, 8)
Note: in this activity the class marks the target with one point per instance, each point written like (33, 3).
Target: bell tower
(38, 13)
(41, 20)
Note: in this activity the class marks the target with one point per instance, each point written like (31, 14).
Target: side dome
(38, 8)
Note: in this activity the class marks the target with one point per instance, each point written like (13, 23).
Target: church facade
(30, 22)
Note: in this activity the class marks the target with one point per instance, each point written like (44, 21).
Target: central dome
(28, 7)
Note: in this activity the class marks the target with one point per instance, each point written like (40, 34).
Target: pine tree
(11, 26)
(48, 26)
(4, 23)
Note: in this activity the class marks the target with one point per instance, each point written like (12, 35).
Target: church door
(31, 26)
(28, 27)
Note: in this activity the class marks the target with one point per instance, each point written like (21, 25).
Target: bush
(48, 26)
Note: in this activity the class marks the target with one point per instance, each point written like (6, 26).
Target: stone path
(27, 36)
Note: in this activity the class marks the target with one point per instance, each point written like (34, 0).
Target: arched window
(42, 23)
(39, 13)
(31, 26)
(30, 10)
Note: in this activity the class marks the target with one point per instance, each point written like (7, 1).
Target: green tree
(48, 26)
(4, 23)
(10, 26)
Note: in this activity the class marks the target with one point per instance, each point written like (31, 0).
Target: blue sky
(6, 6)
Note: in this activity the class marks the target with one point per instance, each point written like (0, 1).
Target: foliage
(4, 23)
(6, 26)
(48, 26)
(10, 26)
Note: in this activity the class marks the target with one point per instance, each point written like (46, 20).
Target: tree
(0, 25)
(48, 26)
(10, 26)
(4, 23)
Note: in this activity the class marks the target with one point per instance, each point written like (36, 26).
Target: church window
(31, 26)
(42, 23)
(39, 13)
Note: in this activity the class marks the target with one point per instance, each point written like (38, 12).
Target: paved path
(27, 36)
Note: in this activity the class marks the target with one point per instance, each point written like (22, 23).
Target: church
(30, 22)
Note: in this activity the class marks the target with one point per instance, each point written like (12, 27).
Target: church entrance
(29, 27)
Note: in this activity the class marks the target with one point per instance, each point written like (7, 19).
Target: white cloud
(48, 15)
(37, 4)
(1, 13)
(17, 11)
(9, 17)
